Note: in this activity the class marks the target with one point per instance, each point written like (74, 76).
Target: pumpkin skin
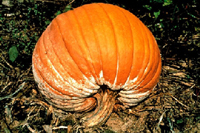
(93, 45)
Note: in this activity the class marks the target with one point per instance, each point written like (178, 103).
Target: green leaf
(67, 8)
(58, 12)
(179, 121)
(156, 14)
(13, 53)
(47, 22)
(147, 7)
(167, 2)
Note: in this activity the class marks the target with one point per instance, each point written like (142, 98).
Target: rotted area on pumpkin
(105, 103)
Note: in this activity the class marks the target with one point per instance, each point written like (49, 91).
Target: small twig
(77, 127)
(29, 115)
(71, 2)
(3, 66)
(30, 128)
(161, 117)
(6, 62)
(25, 123)
(26, 72)
(60, 127)
(192, 86)
(164, 45)
(30, 112)
(11, 95)
(179, 102)
(41, 103)
(6, 86)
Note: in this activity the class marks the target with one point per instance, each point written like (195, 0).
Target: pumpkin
(93, 55)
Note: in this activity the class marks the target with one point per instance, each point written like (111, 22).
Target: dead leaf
(47, 128)
(180, 74)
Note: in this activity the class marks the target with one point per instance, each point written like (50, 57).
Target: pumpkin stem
(105, 103)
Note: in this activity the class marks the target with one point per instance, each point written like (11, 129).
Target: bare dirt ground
(174, 105)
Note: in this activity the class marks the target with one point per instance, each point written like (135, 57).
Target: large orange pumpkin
(90, 56)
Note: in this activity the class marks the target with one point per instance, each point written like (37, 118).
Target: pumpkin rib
(36, 50)
(148, 80)
(70, 104)
(55, 60)
(66, 99)
(123, 44)
(88, 56)
(127, 97)
(87, 81)
(98, 17)
(147, 63)
(107, 44)
(55, 81)
(66, 85)
(39, 79)
(142, 89)
(137, 71)
(132, 42)
(69, 35)
(125, 92)
(153, 64)
(83, 63)
(138, 54)
(154, 80)
(91, 18)
(56, 49)
(86, 105)
(133, 97)
(44, 86)
(98, 35)
(112, 86)
(107, 82)
(90, 38)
